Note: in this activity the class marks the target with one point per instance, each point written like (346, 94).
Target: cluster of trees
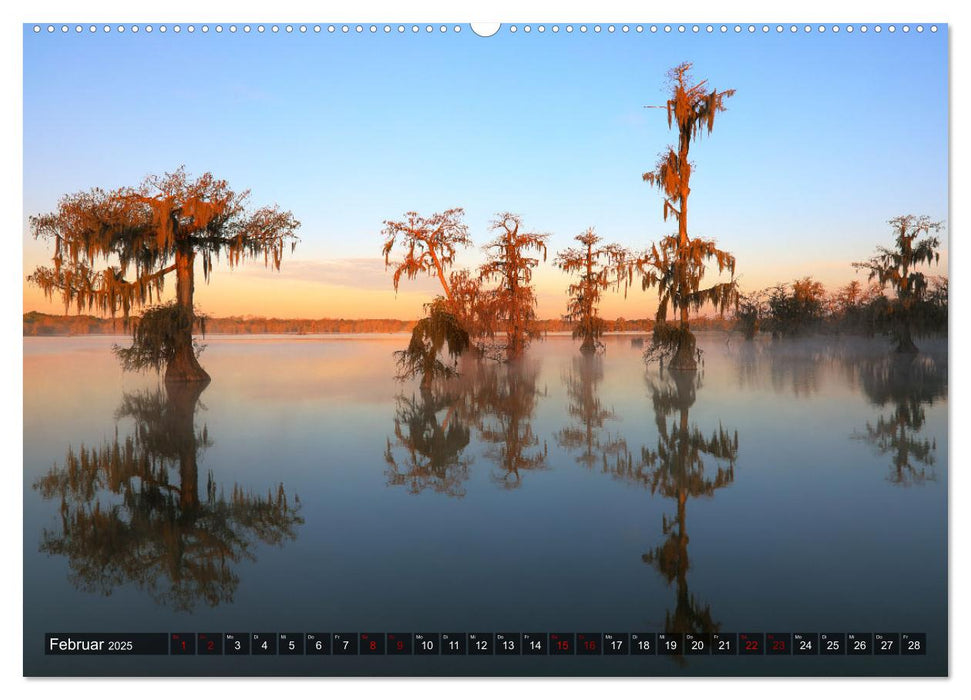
(492, 310)
(160, 227)
(37, 323)
(472, 314)
(915, 306)
(145, 233)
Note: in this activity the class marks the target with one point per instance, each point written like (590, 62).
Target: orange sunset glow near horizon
(361, 288)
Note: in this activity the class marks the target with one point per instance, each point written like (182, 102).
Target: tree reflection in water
(904, 383)
(433, 430)
(586, 432)
(506, 399)
(433, 447)
(124, 519)
(685, 464)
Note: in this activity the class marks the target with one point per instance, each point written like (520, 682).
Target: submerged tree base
(675, 344)
(590, 346)
(905, 340)
(686, 356)
(184, 368)
(440, 330)
(162, 337)
(906, 347)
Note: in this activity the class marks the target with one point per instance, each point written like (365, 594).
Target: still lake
(787, 487)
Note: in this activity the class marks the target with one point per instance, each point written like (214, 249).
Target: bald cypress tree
(915, 245)
(596, 268)
(429, 244)
(510, 265)
(144, 234)
(677, 264)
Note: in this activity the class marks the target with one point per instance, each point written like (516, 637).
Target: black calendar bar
(519, 644)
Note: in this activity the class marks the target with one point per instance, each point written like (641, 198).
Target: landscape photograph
(552, 334)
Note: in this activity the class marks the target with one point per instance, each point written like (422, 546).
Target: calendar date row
(493, 643)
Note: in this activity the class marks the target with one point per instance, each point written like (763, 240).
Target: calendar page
(519, 349)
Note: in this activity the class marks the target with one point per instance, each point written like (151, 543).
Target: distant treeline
(37, 323)
(804, 307)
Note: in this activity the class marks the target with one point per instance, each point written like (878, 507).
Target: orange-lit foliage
(429, 244)
(677, 266)
(475, 307)
(598, 268)
(146, 232)
(511, 266)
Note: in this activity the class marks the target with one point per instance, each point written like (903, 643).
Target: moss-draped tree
(143, 234)
(596, 267)
(429, 245)
(914, 244)
(676, 266)
(511, 266)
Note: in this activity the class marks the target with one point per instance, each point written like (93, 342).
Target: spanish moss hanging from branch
(677, 265)
(155, 337)
(439, 331)
(142, 234)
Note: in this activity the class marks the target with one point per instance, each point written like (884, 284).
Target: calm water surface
(787, 487)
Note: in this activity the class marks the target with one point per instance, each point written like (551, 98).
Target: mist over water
(788, 486)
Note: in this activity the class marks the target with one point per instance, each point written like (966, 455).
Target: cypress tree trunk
(905, 341)
(588, 347)
(184, 367)
(684, 356)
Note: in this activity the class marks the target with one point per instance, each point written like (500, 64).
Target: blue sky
(828, 136)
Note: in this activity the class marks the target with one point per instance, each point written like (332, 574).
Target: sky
(826, 138)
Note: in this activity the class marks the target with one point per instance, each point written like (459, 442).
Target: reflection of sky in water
(811, 534)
